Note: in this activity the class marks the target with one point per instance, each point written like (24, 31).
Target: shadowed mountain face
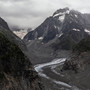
(61, 31)
(16, 70)
(65, 25)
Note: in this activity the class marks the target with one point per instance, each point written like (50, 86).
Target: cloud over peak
(30, 13)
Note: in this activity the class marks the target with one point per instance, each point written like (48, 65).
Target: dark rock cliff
(63, 24)
(16, 70)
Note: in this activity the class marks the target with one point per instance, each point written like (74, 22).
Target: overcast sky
(31, 13)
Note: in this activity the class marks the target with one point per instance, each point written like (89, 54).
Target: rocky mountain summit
(58, 34)
(64, 23)
(16, 70)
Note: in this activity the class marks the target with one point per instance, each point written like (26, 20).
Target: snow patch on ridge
(76, 16)
(61, 15)
(61, 18)
(40, 38)
(87, 31)
(60, 35)
(76, 29)
(55, 27)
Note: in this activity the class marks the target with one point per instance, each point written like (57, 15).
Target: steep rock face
(65, 25)
(16, 70)
(62, 21)
(46, 30)
(74, 29)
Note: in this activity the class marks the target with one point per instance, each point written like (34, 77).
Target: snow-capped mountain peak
(60, 14)
(63, 24)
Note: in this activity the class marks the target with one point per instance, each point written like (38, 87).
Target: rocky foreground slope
(16, 70)
(77, 67)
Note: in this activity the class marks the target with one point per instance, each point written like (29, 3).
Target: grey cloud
(30, 13)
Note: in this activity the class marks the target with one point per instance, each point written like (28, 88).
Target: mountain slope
(3, 24)
(57, 35)
(16, 70)
(13, 38)
(83, 45)
(79, 62)
(62, 22)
